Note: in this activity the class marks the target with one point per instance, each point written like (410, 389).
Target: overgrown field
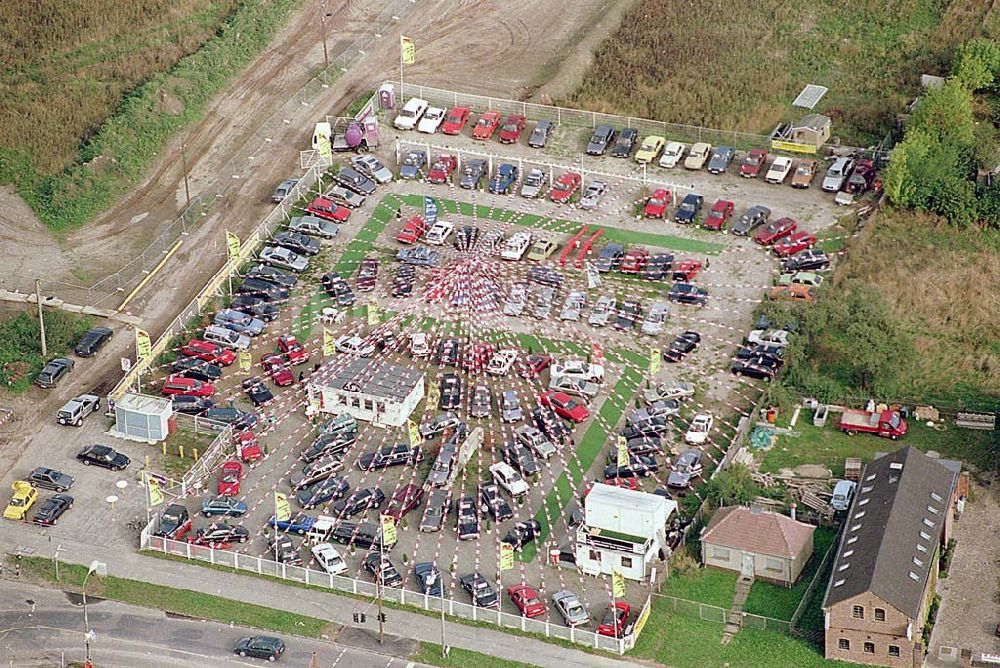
(20, 344)
(738, 65)
(91, 91)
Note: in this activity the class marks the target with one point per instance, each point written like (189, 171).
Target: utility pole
(184, 166)
(322, 20)
(444, 645)
(41, 320)
(378, 587)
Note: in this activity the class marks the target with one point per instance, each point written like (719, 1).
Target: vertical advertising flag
(433, 393)
(328, 343)
(143, 344)
(155, 493)
(430, 211)
(506, 557)
(388, 530)
(246, 361)
(596, 352)
(654, 361)
(374, 313)
(282, 509)
(408, 51)
(233, 247)
(618, 584)
(622, 452)
(414, 433)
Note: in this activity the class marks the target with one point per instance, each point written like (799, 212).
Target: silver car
(239, 322)
(436, 511)
(278, 256)
(283, 189)
(481, 404)
(573, 307)
(593, 194)
(839, 172)
(516, 299)
(345, 197)
(314, 226)
(543, 299)
(601, 314)
(570, 608)
(510, 407)
(574, 386)
(372, 167)
(653, 324)
(533, 184)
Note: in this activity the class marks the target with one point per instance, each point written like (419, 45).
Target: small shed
(370, 390)
(140, 417)
(812, 130)
(757, 543)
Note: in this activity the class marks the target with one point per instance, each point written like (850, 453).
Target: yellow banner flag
(329, 345)
(654, 361)
(388, 530)
(414, 432)
(506, 557)
(407, 50)
(155, 493)
(143, 344)
(433, 394)
(246, 361)
(622, 452)
(374, 313)
(233, 245)
(282, 509)
(618, 584)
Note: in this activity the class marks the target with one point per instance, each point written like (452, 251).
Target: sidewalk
(320, 604)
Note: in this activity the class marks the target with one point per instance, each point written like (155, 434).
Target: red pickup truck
(887, 424)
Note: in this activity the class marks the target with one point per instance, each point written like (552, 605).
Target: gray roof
(891, 534)
(375, 378)
(813, 121)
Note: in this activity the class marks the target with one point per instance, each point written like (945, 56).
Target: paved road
(129, 636)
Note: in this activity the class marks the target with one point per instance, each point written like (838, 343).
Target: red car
(565, 187)
(720, 214)
(230, 478)
(534, 364)
(527, 600)
(175, 384)
(795, 242)
(293, 350)
(247, 447)
(210, 352)
(613, 622)
(565, 406)
(635, 261)
(328, 210)
(686, 270)
(442, 168)
(413, 229)
(656, 205)
(455, 120)
(752, 164)
(477, 356)
(276, 367)
(511, 130)
(486, 125)
(775, 230)
(403, 501)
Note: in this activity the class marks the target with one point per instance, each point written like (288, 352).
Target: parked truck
(887, 424)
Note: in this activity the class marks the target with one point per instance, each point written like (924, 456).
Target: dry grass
(737, 65)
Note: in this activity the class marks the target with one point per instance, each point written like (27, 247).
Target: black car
(545, 276)
(721, 158)
(610, 258)
(760, 350)
(303, 244)
(600, 140)
(260, 647)
(449, 351)
(639, 466)
(192, 367)
(628, 315)
(493, 502)
(338, 288)
(523, 533)
(681, 346)
(52, 510)
(261, 289)
(686, 293)
(47, 478)
(102, 455)
(220, 532)
(258, 308)
(329, 444)
(466, 237)
(550, 424)
(627, 139)
(754, 217)
(658, 267)
(484, 594)
(807, 260)
(258, 393)
(363, 535)
(644, 444)
(92, 341)
(391, 455)
(401, 287)
(472, 173)
(540, 134)
(467, 518)
(382, 569)
(323, 491)
(521, 458)
(429, 578)
(284, 551)
(230, 415)
(451, 391)
(54, 372)
(273, 275)
(689, 208)
(360, 501)
(645, 428)
(761, 368)
(354, 180)
(174, 522)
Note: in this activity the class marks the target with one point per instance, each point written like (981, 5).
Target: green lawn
(772, 600)
(707, 585)
(462, 658)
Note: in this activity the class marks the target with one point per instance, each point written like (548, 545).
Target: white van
(843, 492)
(321, 133)
(226, 338)
(410, 114)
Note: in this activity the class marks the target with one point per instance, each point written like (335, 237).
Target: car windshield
(485, 122)
(510, 127)
(687, 206)
(454, 117)
(562, 185)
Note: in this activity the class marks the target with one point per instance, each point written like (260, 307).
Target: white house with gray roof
(370, 390)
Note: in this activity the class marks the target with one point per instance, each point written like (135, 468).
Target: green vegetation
(20, 344)
(705, 585)
(770, 600)
(734, 486)
(92, 93)
(180, 601)
(684, 63)
(462, 658)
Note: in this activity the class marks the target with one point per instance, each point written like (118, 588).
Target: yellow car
(542, 249)
(651, 147)
(24, 496)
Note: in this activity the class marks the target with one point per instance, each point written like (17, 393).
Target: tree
(977, 64)
(946, 114)
(733, 487)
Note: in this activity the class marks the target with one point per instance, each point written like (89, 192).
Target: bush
(977, 64)
(20, 348)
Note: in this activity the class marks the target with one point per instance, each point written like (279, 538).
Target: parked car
(313, 225)
(260, 647)
(75, 410)
(685, 343)
(807, 260)
(775, 230)
(511, 129)
(328, 558)
(455, 120)
(754, 217)
(689, 208)
(627, 139)
(533, 183)
(429, 578)
(431, 120)
(283, 258)
(522, 459)
(613, 622)
(467, 518)
(804, 174)
(413, 164)
(516, 246)
(362, 535)
(569, 607)
(573, 307)
(697, 156)
(437, 508)
(602, 311)
(473, 173)
(628, 315)
(404, 500)
(53, 372)
(487, 125)
(259, 308)
(52, 509)
(372, 167)
(593, 194)
(699, 429)
(92, 341)
(301, 244)
(656, 205)
(655, 318)
(239, 322)
(542, 249)
(103, 456)
(565, 187)
(672, 153)
(537, 441)
(686, 293)
(794, 243)
(359, 502)
(686, 468)
(328, 210)
(658, 267)
(526, 600)
(282, 190)
(540, 134)
(484, 594)
(223, 506)
(722, 157)
(837, 174)
(610, 258)
(47, 478)
(522, 533)
(230, 478)
(382, 569)
(600, 140)
(779, 171)
(510, 407)
(650, 149)
(21, 500)
(503, 182)
(410, 114)
(442, 169)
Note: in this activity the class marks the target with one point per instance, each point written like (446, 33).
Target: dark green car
(260, 647)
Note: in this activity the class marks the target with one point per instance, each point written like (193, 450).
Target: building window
(595, 556)
(844, 644)
(879, 615)
(894, 650)
(369, 405)
(626, 562)
(774, 565)
(859, 612)
(720, 553)
(869, 648)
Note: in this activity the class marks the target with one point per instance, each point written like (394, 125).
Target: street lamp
(88, 634)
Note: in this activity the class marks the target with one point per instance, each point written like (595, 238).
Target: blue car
(239, 322)
(688, 209)
(223, 506)
(504, 180)
(300, 523)
(413, 164)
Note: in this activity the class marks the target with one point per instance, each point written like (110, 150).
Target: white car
(657, 315)
(535, 440)
(573, 307)
(593, 194)
(678, 389)
(579, 370)
(372, 167)
(602, 311)
(329, 559)
(779, 171)
(431, 121)
(354, 345)
(314, 226)
(698, 156)
(420, 344)
(410, 114)
(501, 362)
(699, 430)
(439, 233)
(770, 337)
(505, 476)
(574, 386)
(516, 300)
(672, 154)
(516, 246)
(281, 257)
(533, 184)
